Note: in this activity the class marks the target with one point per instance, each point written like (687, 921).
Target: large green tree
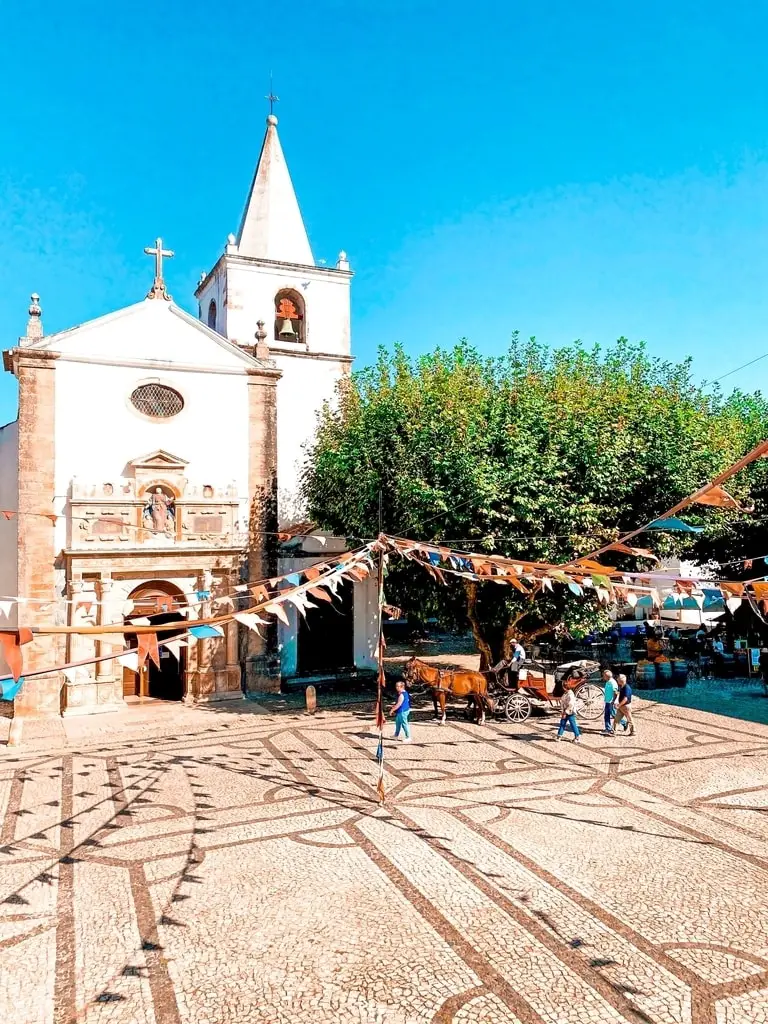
(540, 454)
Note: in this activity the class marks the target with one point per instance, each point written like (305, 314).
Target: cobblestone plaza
(222, 868)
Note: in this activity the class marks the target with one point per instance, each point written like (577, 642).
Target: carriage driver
(516, 661)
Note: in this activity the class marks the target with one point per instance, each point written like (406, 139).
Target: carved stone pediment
(159, 460)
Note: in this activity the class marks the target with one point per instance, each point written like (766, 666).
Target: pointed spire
(272, 227)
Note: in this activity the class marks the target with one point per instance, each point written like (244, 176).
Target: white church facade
(169, 493)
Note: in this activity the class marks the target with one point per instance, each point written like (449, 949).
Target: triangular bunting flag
(11, 644)
(250, 619)
(147, 648)
(322, 595)
(205, 631)
(5, 607)
(718, 497)
(174, 646)
(732, 604)
(129, 660)
(8, 514)
(275, 608)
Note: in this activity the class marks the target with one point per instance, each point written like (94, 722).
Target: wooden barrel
(663, 672)
(679, 672)
(645, 675)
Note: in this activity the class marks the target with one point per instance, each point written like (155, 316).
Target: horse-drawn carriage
(536, 686)
(512, 693)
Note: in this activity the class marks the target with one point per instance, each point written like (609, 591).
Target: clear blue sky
(570, 170)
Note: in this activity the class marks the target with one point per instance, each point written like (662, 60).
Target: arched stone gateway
(161, 602)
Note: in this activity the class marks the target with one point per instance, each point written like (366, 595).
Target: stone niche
(155, 504)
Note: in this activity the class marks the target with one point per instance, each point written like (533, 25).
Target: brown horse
(442, 681)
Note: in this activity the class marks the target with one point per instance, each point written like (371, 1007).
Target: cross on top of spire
(158, 289)
(271, 97)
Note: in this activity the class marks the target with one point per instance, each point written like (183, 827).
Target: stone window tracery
(157, 400)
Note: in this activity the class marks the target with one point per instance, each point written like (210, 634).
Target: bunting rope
(713, 488)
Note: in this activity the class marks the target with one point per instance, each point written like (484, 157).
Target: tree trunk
(486, 654)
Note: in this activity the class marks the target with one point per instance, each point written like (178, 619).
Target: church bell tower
(267, 294)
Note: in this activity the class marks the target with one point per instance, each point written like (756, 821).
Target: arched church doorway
(160, 602)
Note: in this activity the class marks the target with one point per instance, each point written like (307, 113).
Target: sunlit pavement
(217, 866)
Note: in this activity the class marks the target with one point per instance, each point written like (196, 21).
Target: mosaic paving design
(241, 873)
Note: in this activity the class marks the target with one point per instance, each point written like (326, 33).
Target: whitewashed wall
(98, 430)
(311, 371)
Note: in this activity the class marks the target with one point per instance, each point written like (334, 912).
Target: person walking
(401, 709)
(568, 716)
(610, 689)
(624, 706)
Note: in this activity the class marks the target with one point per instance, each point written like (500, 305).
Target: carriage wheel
(589, 700)
(517, 708)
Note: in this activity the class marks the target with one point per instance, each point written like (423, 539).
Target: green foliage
(538, 454)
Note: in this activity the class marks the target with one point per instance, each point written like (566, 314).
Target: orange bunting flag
(8, 514)
(626, 549)
(260, 593)
(761, 591)
(590, 566)
(312, 572)
(11, 644)
(734, 589)
(718, 497)
(277, 609)
(148, 649)
(323, 595)
(52, 516)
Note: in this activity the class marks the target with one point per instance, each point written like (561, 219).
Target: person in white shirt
(568, 716)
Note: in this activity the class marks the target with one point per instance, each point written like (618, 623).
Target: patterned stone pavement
(224, 868)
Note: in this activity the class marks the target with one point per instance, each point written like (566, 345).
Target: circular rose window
(157, 400)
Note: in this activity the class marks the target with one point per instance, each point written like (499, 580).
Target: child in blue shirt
(401, 709)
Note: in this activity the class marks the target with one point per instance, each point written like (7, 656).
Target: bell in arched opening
(289, 317)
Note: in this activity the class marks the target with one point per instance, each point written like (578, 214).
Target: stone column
(109, 684)
(35, 371)
(233, 665)
(205, 676)
(104, 669)
(262, 668)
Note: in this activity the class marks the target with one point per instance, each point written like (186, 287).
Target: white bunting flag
(224, 602)
(130, 660)
(174, 646)
(128, 607)
(241, 589)
(546, 583)
(631, 599)
(5, 607)
(602, 594)
(250, 619)
(142, 621)
(70, 674)
(732, 604)
(699, 599)
(275, 608)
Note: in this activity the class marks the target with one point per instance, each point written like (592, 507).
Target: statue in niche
(159, 513)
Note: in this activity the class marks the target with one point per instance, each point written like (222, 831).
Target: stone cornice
(291, 268)
(303, 353)
(14, 357)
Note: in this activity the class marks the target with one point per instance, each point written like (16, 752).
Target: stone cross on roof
(158, 289)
